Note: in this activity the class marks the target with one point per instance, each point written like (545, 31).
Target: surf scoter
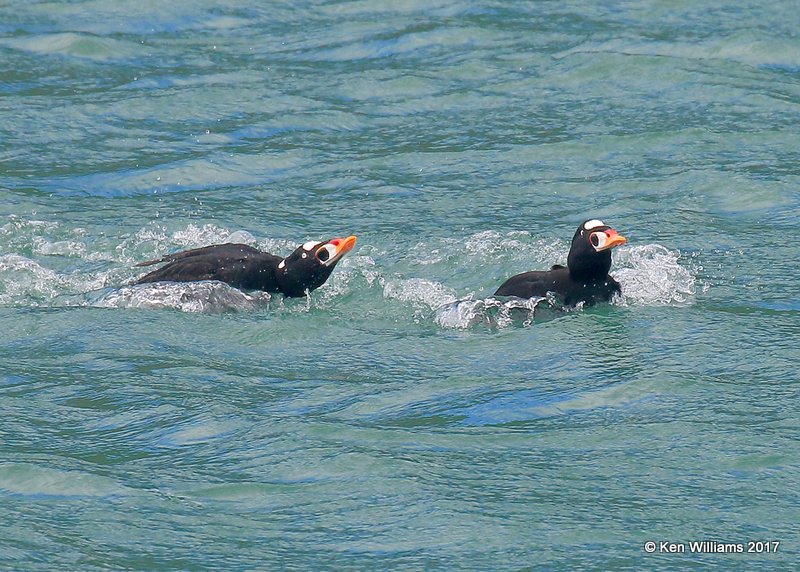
(248, 268)
(584, 279)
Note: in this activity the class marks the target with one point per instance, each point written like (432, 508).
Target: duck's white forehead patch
(282, 264)
(594, 223)
(310, 244)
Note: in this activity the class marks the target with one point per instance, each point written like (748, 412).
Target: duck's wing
(239, 265)
(534, 284)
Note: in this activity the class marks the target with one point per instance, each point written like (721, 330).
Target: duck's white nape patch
(282, 264)
(594, 223)
(310, 244)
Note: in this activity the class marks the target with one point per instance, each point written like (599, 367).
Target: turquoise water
(400, 418)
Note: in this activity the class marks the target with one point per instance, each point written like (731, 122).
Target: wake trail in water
(46, 264)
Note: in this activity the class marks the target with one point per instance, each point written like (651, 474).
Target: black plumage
(248, 268)
(584, 279)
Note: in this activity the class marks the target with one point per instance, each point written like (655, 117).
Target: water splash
(155, 240)
(193, 236)
(208, 296)
(24, 279)
(435, 302)
(420, 292)
(650, 274)
(494, 313)
(72, 248)
(25, 282)
(485, 247)
(354, 272)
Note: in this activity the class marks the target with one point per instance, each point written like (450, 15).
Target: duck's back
(239, 265)
(537, 284)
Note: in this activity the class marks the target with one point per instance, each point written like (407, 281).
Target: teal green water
(400, 418)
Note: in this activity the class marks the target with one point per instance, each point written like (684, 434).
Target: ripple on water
(76, 45)
(529, 405)
(747, 47)
(187, 175)
(34, 480)
(198, 431)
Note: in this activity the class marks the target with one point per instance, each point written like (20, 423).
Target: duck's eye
(326, 252)
(598, 240)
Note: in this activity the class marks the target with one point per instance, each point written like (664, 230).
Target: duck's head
(310, 265)
(590, 254)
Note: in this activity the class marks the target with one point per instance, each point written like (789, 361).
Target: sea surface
(399, 418)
